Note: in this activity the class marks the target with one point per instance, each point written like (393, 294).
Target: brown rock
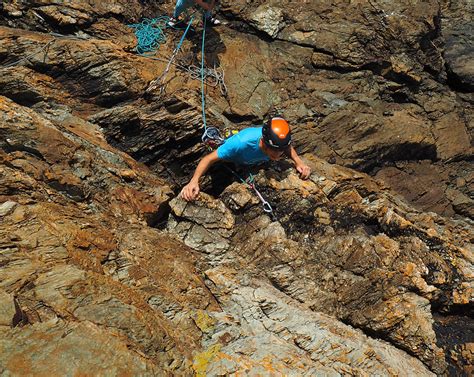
(87, 345)
(452, 137)
(95, 244)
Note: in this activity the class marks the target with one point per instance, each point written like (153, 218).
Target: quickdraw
(266, 205)
(250, 182)
(212, 138)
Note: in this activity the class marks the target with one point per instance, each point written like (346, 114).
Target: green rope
(150, 34)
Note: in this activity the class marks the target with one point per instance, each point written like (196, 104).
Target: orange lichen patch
(42, 85)
(349, 197)
(19, 365)
(166, 267)
(6, 32)
(87, 131)
(54, 146)
(409, 269)
(136, 273)
(58, 348)
(386, 242)
(87, 243)
(60, 176)
(269, 364)
(148, 68)
(128, 174)
(20, 214)
(152, 320)
(85, 261)
(97, 239)
(85, 374)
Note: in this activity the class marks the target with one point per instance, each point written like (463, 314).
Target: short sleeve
(230, 149)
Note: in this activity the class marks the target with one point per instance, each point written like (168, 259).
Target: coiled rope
(150, 34)
(213, 76)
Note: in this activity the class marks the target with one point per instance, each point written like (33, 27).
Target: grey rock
(7, 207)
(268, 18)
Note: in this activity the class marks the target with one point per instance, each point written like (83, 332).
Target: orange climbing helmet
(276, 133)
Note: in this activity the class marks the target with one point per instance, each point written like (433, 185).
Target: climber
(250, 146)
(182, 5)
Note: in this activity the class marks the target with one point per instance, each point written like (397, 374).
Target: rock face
(344, 246)
(459, 44)
(364, 269)
(76, 247)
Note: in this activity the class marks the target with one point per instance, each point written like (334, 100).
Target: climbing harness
(212, 138)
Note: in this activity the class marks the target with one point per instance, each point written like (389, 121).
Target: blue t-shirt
(243, 148)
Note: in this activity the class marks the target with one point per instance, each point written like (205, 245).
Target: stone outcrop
(364, 269)
(341, 244)
(77, 254)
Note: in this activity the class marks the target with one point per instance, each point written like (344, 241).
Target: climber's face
(272, 153)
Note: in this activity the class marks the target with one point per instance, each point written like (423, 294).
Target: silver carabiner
(266, 206)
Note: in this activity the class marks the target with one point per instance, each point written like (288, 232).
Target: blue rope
(250, 180)
(203, 99)
(150, 34)
(184, 34)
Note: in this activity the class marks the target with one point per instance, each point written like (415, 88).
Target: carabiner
(267, 207)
